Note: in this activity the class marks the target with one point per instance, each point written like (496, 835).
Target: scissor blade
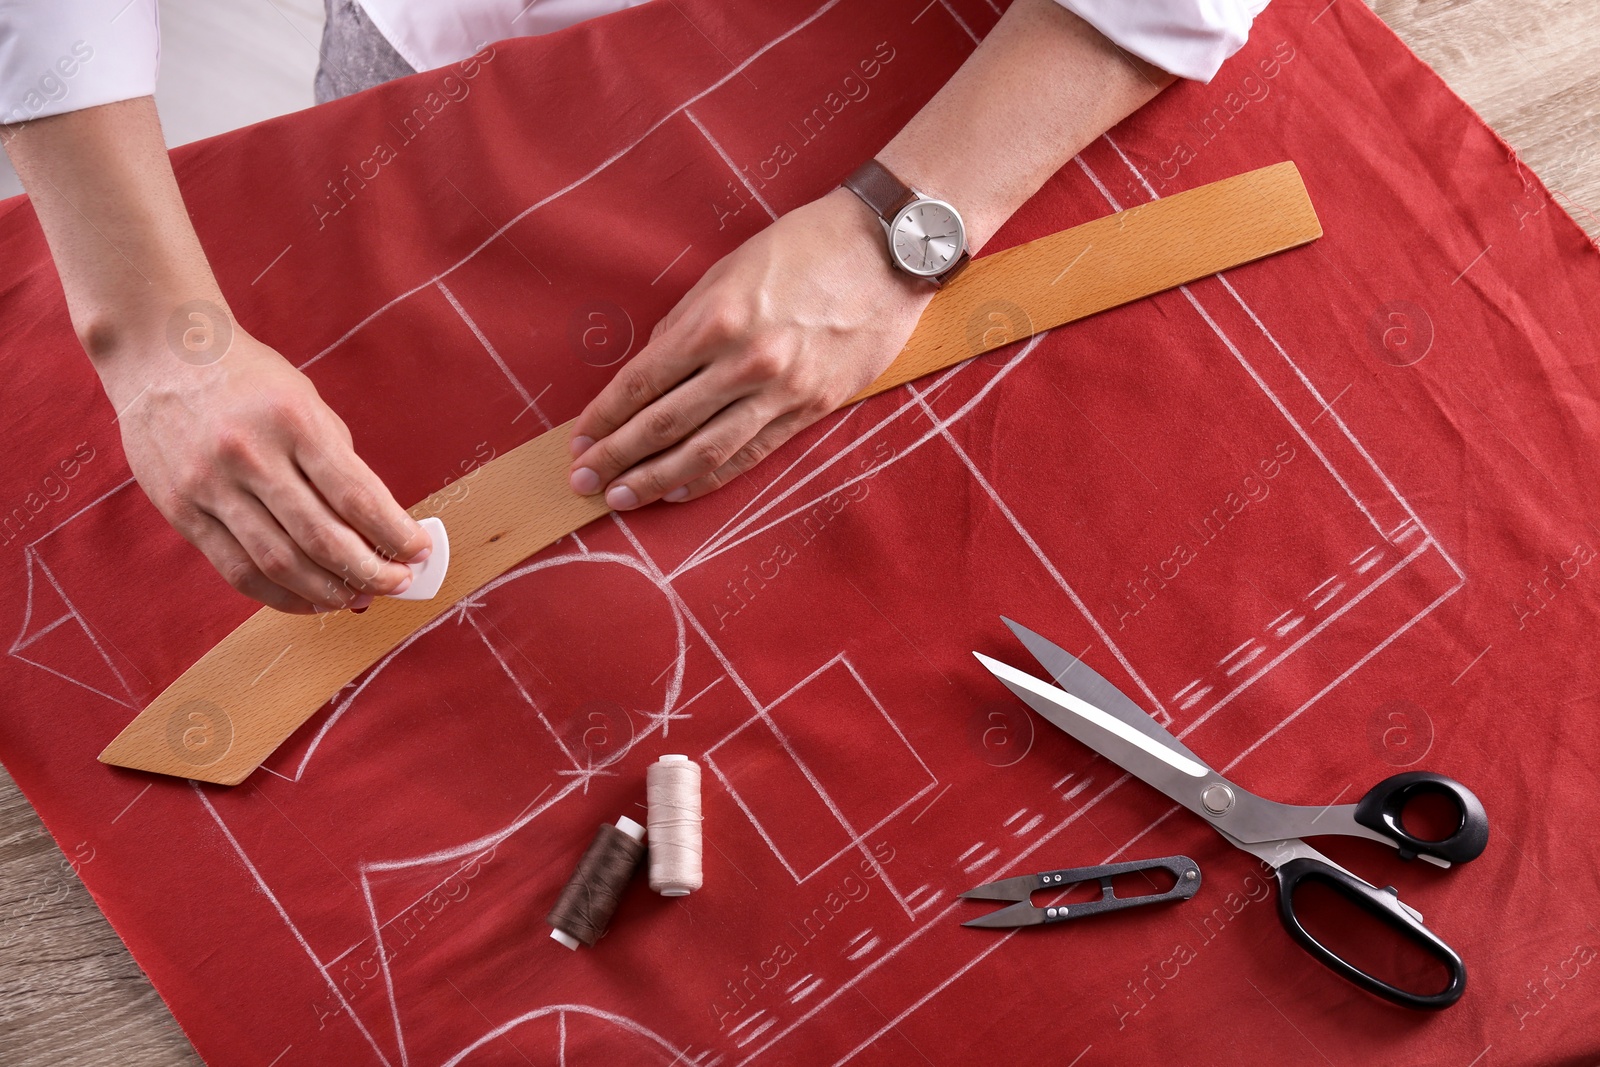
(1079, 679)
(1149, 758)
(1019, 914)
(1018, 888)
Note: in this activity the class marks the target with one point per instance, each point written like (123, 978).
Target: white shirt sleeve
(1189, 38)
(433, 33)
(65, 55)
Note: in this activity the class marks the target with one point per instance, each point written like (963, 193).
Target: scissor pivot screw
(1191, 874)
(1217, 798)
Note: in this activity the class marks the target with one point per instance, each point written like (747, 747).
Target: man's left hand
(777, 334)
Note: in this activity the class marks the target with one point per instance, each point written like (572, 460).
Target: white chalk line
(575, 183)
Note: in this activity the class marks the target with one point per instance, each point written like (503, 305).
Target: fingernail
(580, 445)
(361, 603)
(621, 498)
(420, 556)
(405, 583)
(677, 494)
(585, 482)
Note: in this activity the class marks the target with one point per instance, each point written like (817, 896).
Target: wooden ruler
(229, 711)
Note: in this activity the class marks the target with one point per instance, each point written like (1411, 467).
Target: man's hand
(245, 460)
(777, 334)
(249, 464)
(804, 314)
(229, 441)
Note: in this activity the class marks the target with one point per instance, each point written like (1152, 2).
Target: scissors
(1186, 882)
(1095, 712)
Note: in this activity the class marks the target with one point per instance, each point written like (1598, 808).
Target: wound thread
(590, 897)
(672, 790)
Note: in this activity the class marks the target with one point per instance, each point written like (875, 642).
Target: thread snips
(1021, 889)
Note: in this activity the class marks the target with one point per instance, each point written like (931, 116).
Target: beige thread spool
(672, 790)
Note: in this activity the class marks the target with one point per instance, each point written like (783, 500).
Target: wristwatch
(926, 236)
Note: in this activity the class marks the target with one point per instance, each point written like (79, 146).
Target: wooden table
(71, 994)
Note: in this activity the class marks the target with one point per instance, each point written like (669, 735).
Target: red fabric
(1388, 436)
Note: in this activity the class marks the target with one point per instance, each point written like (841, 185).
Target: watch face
(927, 236)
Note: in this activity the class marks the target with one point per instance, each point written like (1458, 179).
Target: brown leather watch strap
(883, 192)
(948, 275)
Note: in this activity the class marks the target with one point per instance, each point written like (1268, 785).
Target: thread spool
(591, 895)
(672, 791)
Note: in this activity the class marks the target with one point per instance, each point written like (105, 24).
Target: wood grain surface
(71, 995)
(228, 711)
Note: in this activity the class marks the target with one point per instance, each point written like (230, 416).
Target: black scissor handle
(1384, 904)
(1186, 883)
(1380, 810)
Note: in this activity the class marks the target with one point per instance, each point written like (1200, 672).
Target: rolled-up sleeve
(66, 55)
(1189, 38)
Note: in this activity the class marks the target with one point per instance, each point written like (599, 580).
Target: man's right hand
(230, 442)
(246, 461)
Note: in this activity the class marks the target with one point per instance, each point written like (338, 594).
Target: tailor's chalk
(428, 576)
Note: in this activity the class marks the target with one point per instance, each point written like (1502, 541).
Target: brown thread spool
(591, 895)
